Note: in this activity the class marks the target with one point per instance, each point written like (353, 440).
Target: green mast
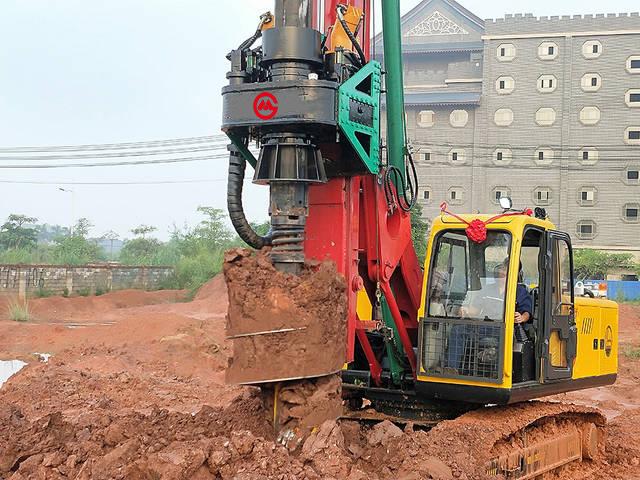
(394, 84)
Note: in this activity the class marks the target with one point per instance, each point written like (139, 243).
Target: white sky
(95, 71)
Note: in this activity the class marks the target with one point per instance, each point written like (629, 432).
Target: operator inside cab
(488, 302)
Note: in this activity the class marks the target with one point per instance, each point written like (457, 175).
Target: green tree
(261, 228)
(77, 249)
(141, 250)
(593, 264)
(419, 232)
(18, 233)
(46, 232)
(143, 230)
(212, 230)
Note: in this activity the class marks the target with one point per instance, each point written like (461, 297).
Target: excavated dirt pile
(283, 326)
(142, 396)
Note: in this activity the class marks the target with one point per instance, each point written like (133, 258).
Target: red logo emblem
(265, 106)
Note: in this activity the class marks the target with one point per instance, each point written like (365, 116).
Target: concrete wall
(28, 280)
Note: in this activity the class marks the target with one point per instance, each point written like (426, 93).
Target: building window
(546, 117)
(588, 156)
(586, 229)
(590, 115)
(457, 156)
(426, 194)
(505, 85)
(426, 118)
(543, 156)
(591, 49)
(547, 51)
(500, 192)
(632, 135)
(547, 83)
(631, 212)
(632, 98)
(591, 82)
(502, 156)
(587, 196)
(506, 52)
(633, 64)
(542, 196)
(425, 155)
(456, 195)
(503, 117)
(459, 118)
(632, 175)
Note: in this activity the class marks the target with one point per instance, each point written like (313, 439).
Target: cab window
(468, 280)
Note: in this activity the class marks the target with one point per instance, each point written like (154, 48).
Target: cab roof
(511, 222)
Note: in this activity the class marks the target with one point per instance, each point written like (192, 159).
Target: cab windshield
(468, 280)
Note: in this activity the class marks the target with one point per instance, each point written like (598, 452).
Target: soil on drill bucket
(283, 326)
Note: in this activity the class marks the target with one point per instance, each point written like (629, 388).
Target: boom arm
(331, 192)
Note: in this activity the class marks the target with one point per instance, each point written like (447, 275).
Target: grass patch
(19, 311)
(84, 292)
(42, 293)
(632, 352)
(632, 302)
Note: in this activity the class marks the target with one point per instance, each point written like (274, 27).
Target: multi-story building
(543, 110)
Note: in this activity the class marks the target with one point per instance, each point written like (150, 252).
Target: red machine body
(369, 240)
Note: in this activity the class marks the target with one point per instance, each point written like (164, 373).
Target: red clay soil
(262, 299)
(143, 397)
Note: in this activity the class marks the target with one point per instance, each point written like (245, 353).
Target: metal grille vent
(463, 349)
(587, 326)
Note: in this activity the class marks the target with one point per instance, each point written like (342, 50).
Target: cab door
(560, 333)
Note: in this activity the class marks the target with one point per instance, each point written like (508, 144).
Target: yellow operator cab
(471, 348)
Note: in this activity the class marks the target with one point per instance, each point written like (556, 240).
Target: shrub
(19, 311)
(195, 270)
(84, 292)
(100, 290)
(42, 293)
(65, 292)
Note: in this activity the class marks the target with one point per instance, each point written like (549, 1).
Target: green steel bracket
(359, 113)
(395, 352)
(242, 148)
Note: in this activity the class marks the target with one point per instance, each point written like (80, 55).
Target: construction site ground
(134, 388)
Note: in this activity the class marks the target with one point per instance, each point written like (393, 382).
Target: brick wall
(27, 280)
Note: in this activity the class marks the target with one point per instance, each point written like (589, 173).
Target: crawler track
(521, 441)
(524, 440)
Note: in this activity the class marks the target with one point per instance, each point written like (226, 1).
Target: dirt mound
(160, 444)
(83, 308)
(214, 290)
(144, 398)
(283, 326)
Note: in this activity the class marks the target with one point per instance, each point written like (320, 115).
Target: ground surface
(135, 389)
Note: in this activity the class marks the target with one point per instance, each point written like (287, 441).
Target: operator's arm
(524, 305)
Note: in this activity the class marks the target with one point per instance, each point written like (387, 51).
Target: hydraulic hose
(237, 166)
(340, 12)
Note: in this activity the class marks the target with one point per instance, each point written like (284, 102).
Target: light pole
(73, 206)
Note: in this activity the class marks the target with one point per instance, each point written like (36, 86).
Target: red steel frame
(351, 224)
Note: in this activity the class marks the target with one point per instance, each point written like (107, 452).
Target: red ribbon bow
(477, 229)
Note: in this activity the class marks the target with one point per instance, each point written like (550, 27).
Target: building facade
(543, 110)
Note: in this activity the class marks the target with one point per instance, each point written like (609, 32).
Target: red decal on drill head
(265, 106)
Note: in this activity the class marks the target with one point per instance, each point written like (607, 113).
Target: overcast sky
(95, 71)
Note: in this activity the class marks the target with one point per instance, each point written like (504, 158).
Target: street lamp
(73, 206)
